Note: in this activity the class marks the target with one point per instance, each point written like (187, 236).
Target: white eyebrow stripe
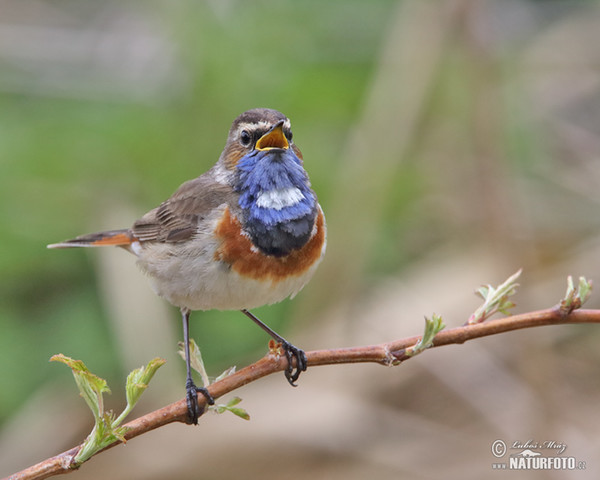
(262, 125)
(279, 198)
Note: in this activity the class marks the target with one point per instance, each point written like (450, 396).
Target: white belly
(187, 275)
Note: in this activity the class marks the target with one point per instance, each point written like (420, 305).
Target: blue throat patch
(279, 229)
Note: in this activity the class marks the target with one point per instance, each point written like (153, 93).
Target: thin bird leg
(191, 389)
(290, 350)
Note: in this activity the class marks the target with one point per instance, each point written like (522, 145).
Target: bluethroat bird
(246, 233)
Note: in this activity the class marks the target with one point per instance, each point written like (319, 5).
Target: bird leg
(192, 390)
(291, 352)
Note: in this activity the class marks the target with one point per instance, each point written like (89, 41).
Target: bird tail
(112, 237)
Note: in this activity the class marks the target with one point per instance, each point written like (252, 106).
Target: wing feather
(177, 219)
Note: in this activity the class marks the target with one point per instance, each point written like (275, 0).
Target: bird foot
(194, 410)
(291, 352)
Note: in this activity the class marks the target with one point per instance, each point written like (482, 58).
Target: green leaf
(226, 373)
(234, 401)
(138, 379)
(230, 407)
(240, 412)
(483, 291)
(432, 328)
(585, 289)
(102, 435)
(575, 298)
(495, 299)
(196, 361)
(91, 387)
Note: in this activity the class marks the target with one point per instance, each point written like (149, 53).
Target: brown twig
(391, 353)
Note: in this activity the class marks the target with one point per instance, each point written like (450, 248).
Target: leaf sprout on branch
(495, 299)
(107, 429)
(575, 297)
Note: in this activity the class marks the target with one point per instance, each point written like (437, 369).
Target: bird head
(266, 168)
(258, 130)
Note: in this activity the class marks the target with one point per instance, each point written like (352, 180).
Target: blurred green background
(450, 143)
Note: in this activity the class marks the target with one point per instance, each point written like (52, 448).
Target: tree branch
(389, 354)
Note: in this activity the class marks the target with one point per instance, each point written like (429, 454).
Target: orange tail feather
(100, 239)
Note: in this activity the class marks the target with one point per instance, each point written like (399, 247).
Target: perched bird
(248, 232)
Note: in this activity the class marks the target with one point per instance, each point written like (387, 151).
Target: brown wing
(177, 218)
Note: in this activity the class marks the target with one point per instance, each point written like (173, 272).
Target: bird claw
(291, 352)
(194, 410)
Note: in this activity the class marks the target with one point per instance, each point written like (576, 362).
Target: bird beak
(274, 138)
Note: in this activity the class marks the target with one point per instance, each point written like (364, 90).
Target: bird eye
(289, 135)
(245, 138)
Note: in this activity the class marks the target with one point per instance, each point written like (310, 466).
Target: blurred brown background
(450, 143)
